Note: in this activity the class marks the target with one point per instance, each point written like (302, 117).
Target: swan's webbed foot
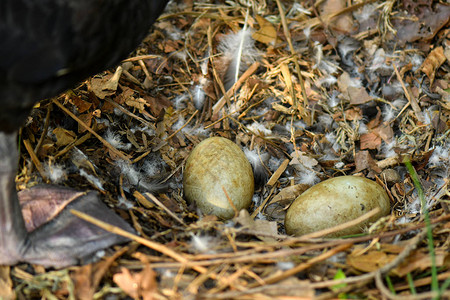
(66, 239)
(51, 235)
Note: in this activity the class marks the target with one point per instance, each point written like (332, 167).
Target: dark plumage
(47, 46)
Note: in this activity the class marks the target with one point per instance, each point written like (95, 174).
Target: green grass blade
(412, 288)
(418, 186)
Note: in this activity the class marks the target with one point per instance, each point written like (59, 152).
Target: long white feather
(239, 49)
(241, 46)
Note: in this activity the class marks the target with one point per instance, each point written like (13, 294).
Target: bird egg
(336, 201)
(218, 178)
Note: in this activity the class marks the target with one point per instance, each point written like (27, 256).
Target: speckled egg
(214, 165)
(336, 201)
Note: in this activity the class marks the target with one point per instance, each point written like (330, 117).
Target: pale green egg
(336, 201)
(217, 167)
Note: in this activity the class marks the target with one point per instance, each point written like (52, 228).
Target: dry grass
(295, 100)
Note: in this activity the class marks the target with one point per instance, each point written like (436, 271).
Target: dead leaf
(343, 22)
(157, 65)
(375, 122)
(354, 114)
(369, 141)
(64, 137)
(87, 119)
(353, 92)
(82, 278)
(392, 248)
(420, 21)
(289, 193)
(384, 131)
(358, 95)
(108, 107)
(418, 261)
(136, 103)
(363, 161)
(80, 104)
(370, 261)
(148, 283)
(157, 105)
(126, 94)
(305, 160)
(99, 85)
(135, 285)
(97, 113)
(267, 34)
(127, 282)
(171, 46)
(433, 61)
(265, 226)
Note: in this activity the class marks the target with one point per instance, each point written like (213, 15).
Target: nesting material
(218, 178)
(336, 201)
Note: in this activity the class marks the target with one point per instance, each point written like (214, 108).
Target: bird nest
(310, 92)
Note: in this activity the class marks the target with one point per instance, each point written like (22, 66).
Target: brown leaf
(136, 103)
(157, 104)
(375, 122)
(87, 119)
(125, 95)
(354, 113)
(258, 226)
(343, 22)
(358, 95)
(63, 136)
(289, 193)
(80, 104)
(370, 261)
(303, 159)
(384, 131)
(142, 284)
(344, 81)
(171, 46)
(97, 113)
(83, 282)
(433, 61)
(126, 281)
(157, 65)
(419, 261)
(108, 107)
(369, 141)
(267, 34)
(363, 161)
(102, 86)
(420, 22)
